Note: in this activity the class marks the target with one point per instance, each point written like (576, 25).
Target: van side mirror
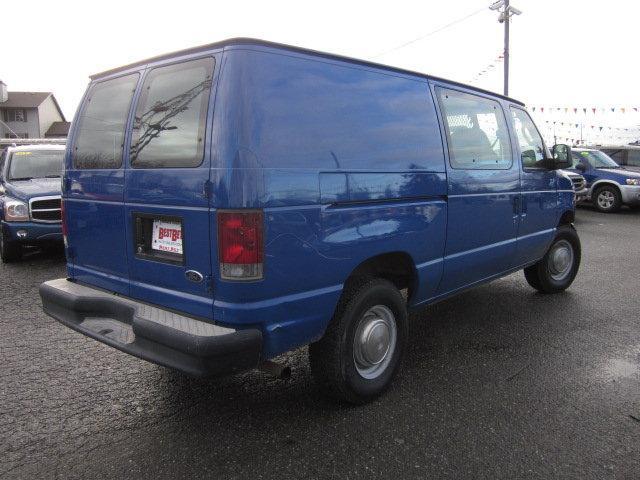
(582, 167)
(561, 156)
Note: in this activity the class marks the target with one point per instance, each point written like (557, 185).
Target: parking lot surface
(498, 382)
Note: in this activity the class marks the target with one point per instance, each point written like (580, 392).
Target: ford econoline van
(231, 202)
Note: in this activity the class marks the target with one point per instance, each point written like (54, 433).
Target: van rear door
(93, 186)
(166, 188)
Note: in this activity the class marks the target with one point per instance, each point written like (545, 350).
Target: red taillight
(240, 244)
(64, 222)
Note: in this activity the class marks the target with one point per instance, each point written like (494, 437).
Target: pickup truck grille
(45, 209)
(578, 183)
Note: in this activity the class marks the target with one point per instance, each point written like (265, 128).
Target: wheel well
(397, 267)
(605, 184)
(567, 218)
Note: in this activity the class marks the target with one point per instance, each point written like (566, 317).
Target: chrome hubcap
(561, 260)
(374, 341)
(606, 199)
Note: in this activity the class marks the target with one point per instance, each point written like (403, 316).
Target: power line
(433, 32)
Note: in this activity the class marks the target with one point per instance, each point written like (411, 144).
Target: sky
(564, 53)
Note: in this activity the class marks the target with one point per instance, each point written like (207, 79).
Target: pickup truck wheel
(607, 199)
(559, 267)
(9, 250)
(361, 350)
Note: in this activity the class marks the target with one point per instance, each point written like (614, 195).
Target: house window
(14, 115)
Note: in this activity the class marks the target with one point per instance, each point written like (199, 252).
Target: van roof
(252, 41)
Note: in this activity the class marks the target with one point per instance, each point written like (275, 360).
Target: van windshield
(25, 165)
(598, 159)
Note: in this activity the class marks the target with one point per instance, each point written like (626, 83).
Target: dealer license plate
(167, 236)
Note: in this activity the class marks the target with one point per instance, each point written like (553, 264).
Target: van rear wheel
(361, 350)
(559, 267)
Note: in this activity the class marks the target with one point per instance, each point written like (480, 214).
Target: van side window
(102, 122)
(169, 124)
(476, 131)
(532, 150)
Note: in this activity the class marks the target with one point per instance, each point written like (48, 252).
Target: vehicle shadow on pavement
(31, 255)
(466, 356)
(624, 210)
(499, 324)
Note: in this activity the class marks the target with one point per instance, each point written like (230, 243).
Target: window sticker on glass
(167, 236)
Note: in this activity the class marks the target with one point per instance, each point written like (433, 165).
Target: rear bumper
(197, 348)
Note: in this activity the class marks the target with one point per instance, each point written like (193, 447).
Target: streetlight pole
(506, 48)
(506, 12)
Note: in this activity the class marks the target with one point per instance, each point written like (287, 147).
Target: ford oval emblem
(193, 276)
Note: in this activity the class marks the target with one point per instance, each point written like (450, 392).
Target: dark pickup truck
(30, 198)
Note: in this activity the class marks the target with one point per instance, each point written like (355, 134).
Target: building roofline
(53, 97)
(239, 41)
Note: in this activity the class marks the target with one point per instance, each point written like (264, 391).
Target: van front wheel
(357, 358)
(559, 267)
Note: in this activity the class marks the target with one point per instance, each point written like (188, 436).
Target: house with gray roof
(30, 115)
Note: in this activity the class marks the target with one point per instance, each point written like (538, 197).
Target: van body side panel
(482, 223)
(347, 163)
(541, 212)
(482, 226)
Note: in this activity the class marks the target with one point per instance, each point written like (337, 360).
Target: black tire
(332, 359)
(542, 276)
(611, 200)
(10, 251)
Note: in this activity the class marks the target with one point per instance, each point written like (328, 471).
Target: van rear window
(101, 125)
(169, 125)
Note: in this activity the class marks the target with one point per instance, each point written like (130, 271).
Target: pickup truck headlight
(633, 181)
(15, 210)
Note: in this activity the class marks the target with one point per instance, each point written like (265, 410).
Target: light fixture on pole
(506, 12)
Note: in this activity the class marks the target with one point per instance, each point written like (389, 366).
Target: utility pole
(506, 49)
(506, 12)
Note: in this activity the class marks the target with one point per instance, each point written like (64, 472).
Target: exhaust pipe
(275, 369)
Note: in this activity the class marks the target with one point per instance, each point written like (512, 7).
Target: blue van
(231, 202)
(30, 198)
(609, 185)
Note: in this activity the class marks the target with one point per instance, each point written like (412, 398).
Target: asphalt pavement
(498, 382)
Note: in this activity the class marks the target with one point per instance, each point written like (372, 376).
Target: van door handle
(516, 204)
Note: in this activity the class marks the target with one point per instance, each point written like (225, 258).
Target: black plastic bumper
(160, 336)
